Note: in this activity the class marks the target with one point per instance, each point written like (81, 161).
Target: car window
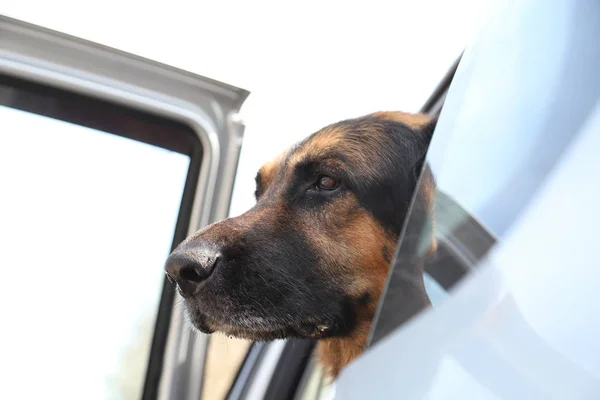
(513, 157)
(88, 218)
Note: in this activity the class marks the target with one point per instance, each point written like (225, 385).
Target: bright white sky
(306, 66)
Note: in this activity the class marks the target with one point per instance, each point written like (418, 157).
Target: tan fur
(426, 201)
(326, 141)
(267, 171)
(412, 120)
(367, 245)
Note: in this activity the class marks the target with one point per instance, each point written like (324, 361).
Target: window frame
(202, 120)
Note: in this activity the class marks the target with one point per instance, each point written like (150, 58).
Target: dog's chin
(263, 331)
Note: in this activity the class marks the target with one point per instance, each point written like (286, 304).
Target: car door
(514, 158)
(107, 161)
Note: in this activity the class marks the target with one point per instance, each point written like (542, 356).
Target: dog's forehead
(350, 136)
(317, 145)
(335, 140)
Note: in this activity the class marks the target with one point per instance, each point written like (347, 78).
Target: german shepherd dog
(310, 260)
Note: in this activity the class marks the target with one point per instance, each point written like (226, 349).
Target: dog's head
(310, 259)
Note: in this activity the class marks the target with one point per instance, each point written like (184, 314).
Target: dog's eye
(325, 182)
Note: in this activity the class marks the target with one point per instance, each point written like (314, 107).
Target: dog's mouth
(258, 329)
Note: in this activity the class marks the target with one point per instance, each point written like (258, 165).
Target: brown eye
(326, 183)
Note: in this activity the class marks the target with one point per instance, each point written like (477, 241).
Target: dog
(310, 260)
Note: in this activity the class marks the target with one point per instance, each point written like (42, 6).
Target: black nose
(189, 268)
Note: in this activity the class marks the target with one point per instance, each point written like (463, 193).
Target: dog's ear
(422, 222)
(429, 127)
(422, 124)
(426, 133)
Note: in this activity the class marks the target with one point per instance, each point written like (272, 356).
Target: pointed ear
(422, 124)
(426, 131)
(413, 121)
(425, 194)
(429, 127)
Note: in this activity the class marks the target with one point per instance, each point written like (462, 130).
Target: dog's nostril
(190, 269)
(190, 273)
(170, 278)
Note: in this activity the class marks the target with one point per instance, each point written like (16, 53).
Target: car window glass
(87, 221)
(435, 291)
